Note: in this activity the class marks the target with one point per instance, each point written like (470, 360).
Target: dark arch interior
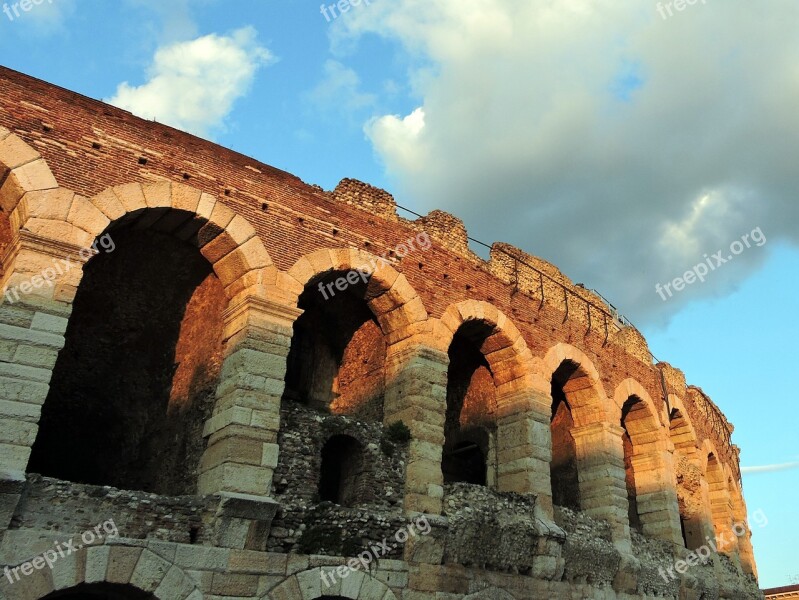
(631, 405)
(337, 357)
(563, 468)
(100, 591)
(471, 408)
(136, 379)
(341, 477)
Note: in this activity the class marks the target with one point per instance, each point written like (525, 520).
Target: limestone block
(109, 204)
(54, 204)
(49, 323)
(97, 563)
(175, 585)
(131, 197)
(240, 585)
(121, 563)
(149, 572)
(17, 433)
(14, 152)
(230, 477)
(87, 216)
(185, 198)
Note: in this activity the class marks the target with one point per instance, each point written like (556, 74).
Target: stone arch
(691, 488)
(719, 498)
(504, 347)
(227, 240)
(22, 170)
(588, 400)
(520, 447)
(649, 464)
(325, 581)
(581, 429)
(54, 222)
(140, 568)
(391, 298)
(353, 307)
(681, 429)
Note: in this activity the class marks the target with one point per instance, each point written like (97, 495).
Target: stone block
(122, 561)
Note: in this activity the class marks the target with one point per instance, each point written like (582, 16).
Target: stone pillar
(416, 394)
(705, 519)
(33, 319)
(242, 432)
(656, 494)
(600, 469)
(745, 550)
(524, 444)
(720, 509)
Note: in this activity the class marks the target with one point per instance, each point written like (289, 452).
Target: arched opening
(136, 379)
(720, 505)
(689, 480)
(337, 357)
(636, 422)
(100, 591)
(563, 468)
(341, 477)
(469, 427)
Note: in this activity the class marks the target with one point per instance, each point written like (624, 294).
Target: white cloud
(770, 468)
(339, 90)
(193, 85)
(593, 133)
(397, 140)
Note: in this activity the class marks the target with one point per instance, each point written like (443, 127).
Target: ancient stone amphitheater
(217, 381)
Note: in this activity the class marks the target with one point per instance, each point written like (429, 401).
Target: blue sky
(620, 145)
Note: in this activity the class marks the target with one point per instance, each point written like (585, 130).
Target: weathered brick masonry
(252, 412)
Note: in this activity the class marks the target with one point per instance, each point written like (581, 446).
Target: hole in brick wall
(46, 128)
(342, 471)
(227, 192)
(337, 357)
(194, 533)
(421, 266)
(301, 220)
(335, 232)
(471, 409)
(136, 379)
(264, 206)
(96, 145)
(143, 160)
(186, 176)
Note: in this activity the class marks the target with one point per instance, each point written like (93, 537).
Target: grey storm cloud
(618, 145)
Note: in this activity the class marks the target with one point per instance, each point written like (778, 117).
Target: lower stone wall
(487, 546)
(184, 572)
